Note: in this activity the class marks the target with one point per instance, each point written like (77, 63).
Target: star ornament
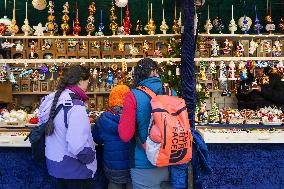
(39, 29)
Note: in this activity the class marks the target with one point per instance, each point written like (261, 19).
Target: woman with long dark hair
(70, 149)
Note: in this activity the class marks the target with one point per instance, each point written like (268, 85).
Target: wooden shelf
(81, 61)
(113, 37)
(46, 93)
(242, 36)
(227, 59)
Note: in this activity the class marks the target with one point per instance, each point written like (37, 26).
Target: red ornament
(34, 120)
(77, 27)
(3, 29)
(126, 23)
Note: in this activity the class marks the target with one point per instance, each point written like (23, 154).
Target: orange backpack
(169, 140)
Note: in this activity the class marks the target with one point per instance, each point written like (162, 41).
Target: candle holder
(90, 27)
(113, 25)
(65, 18)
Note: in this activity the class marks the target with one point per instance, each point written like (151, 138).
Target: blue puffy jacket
(116, 152)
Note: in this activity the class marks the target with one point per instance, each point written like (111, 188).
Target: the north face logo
(179, 144)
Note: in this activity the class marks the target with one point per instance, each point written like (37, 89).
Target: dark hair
(71, 76)
(143, 69)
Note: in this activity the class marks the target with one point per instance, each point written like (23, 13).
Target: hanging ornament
(106, 45)
(26, 27)
(139, 27)
(39, 4)
(7, 45)
(101, 27)
(13, 28)
(232, 70)
(164, 27)
(39, 29)
(113, 25)
(20, 47)
(245, 23)
(47, 45)
(158, 53)
(202, 75)
(240, 50)
(265, 47)
(257, 26)
(121, 3)
(51, 26)
(214, 48)
(121, 46)
(90, 27)
(217, 23)
(35, 75)
(222, 71)
(228, 47)
(208, 26)
(65, 18)
(124, 67)
(133, 50)
(32, 50)
(270, 27)
(146, 47)
(243, 71)
(109, 80)
(233, 26)
(12, 78)
(212, 68)
(77, 27)
(252, 47)
(281, 24)
(44, 69)
(5, 21)
(277, 48)
(3, 29)
(126, 23)
(176, 27)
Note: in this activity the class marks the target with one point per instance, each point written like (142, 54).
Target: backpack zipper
(165, 132)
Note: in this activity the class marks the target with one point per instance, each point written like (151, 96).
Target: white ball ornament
(121, 3)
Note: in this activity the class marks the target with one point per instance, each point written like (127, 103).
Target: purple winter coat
(70, 152)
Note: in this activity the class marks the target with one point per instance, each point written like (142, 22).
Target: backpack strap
(147, 91)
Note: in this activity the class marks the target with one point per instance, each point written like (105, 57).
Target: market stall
(109, 37)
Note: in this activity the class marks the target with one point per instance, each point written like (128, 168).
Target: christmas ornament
(252, 47)
(35, 75)
(39, 4)
(51, 26)
(19, 47)
(158, 53)
(218, 25)
(164, 27)
(257, 26)
(3, 29)
(233, 26)
(39, 29)
(181, 28)
(243, 71)
(106, 45)
(101, 27)
(121, 3)
(5, 20)
(270, 27)
(245, 23)
(265, 46)
(139, 27)
(214, 114)
(109, 80)
(126, 23)
(95, 45)
(77, 27)
(176, 27)
(281, 24)
(202, 75)
(65, 18)
(13, 28)
(113, 25)
(120, 30)
(83, 46)
(277, 48)
(151, 27)
(7, 45)
(208, 26)
(26, 27)
(146, 47)
(232, 70)
(133, 50)
(90, 27)
(214, 48)
(240, 50)
(12, 78)
(124, 66)
(222, 70)
(212, 68)
(121, 46)
(32, 50)
(228, 47)
(47, 45)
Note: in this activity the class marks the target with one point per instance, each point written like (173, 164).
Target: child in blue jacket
(116, 152)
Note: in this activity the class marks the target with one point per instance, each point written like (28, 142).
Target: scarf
(79, 92)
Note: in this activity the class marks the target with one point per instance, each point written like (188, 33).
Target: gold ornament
(65, 18)
(176, 27)
(124, 67)
(114, 67)
(121, 46)
(113, 25)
